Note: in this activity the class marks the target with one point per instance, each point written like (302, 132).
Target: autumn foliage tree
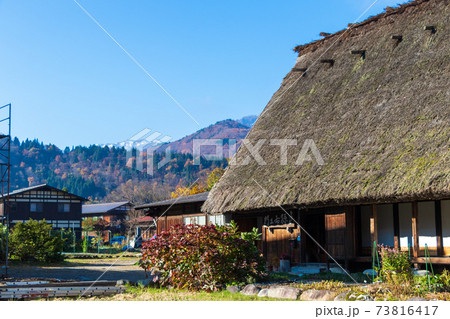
(214, 177)
(203, 257)
(181, 191)
(200, 186)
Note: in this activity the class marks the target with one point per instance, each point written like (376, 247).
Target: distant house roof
(102, 207)
(42, 187)
(196, 198)
(145, 219)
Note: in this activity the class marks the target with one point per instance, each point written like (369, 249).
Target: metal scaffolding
(5, 173)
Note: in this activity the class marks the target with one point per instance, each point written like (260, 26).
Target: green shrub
(396, 270)
(85, 244)
(202, 257)
(33, 241)
(396, 266)
(444, 280)
(433, 283)
(3, 234)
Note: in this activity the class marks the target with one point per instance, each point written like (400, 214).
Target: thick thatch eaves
(380, 122)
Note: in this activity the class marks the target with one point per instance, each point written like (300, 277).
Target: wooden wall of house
(167, 221)
(335, 230)
(405, 225)
(445, 215)
(277, 242)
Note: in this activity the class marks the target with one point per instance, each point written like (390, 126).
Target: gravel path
(82, 270)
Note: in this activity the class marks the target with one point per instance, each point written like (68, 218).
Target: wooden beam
(374, 225)
(438, 223)
(264, 243)
(420, 260)
(349, 238)
(415, 229)
(302, 237)
(396, 226)
(433, 260)
(358, 235)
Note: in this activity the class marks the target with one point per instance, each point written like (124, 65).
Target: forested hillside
(100, 172)
(94, 171)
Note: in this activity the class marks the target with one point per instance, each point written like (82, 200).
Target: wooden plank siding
(278, 242)
(396, 226)
(335, 225)
(373, 226)
(415, 229)
(438, 223)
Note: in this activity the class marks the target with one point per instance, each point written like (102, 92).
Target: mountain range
(227, 131)
(97, 171)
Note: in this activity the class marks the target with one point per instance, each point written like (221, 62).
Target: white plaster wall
(365, 226)
(445, 208)
(427, 224)
(385, 224)
(405, 226)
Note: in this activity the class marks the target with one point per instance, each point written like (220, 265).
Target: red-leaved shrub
(202, 257)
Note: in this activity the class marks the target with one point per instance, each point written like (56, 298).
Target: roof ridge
(307, 47)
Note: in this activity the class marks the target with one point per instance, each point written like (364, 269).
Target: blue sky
(70, 84)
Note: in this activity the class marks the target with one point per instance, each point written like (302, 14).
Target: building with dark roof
(114, 213)
(59, 208)
(180, 210)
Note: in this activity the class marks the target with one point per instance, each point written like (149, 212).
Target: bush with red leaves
(203, 257)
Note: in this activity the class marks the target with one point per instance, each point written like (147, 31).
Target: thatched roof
(381, 123)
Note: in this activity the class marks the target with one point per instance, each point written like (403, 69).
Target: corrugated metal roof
(101, 208)
(179, 200)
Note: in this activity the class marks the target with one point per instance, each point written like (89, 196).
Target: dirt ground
(82, 270)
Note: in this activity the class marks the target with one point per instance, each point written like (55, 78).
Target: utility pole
(5, 170)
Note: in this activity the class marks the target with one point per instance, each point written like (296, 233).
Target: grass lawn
(73, 261)
(359, 277)
(155, 294)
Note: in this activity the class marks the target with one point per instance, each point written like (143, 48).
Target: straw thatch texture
(381, 123)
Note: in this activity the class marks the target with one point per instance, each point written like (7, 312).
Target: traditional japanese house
(354, 146)
(181, 210)
(145, 227)
(187, 210)
(114, 213)
(59, 208)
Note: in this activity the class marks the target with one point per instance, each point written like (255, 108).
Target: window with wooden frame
(195, 220)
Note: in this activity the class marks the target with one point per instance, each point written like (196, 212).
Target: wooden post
(396, 227)
(438, 220)
(349, 235)
(358, 236)
(264, 243)
(374, 225)
(302, 238)
(415, 229)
